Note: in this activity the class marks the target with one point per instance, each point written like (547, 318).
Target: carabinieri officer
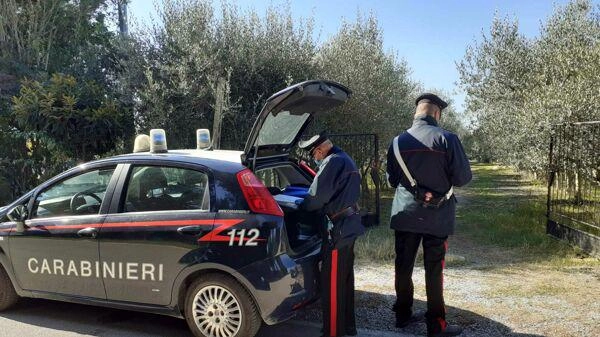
(336, 190)
(423, 164)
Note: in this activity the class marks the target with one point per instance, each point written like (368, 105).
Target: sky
(430, 35)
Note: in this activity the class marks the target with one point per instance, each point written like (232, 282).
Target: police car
(195, 234)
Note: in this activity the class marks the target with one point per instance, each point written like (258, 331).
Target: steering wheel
(74, 208)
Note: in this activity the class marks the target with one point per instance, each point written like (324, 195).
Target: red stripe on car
(216, 235)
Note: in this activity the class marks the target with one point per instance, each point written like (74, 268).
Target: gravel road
(487, 303)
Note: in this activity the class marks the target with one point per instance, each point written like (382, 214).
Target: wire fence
(573, 203)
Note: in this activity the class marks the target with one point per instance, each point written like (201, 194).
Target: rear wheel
(218, 306)
(8, 296)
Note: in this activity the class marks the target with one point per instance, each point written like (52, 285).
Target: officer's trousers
(434, 252)
(337, 289)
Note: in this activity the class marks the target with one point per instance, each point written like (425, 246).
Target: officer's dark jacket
(337, 186)
(436, 160)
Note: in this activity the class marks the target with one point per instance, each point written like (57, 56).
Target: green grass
(506, 210)
(377, 244)
(500, 208)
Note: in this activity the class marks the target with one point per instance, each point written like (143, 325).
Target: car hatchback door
(286, 115)
(58, 251)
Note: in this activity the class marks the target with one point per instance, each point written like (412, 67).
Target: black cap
(313, 142)
(433, 99)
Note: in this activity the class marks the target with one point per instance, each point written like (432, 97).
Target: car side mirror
(18, 214)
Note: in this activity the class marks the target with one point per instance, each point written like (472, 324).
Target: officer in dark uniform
(336, 190)
(424, 208)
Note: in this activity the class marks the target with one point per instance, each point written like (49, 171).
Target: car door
(152, 233)
(58, 250)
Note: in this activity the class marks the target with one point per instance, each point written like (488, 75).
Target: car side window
(79, 195)
(161, 188)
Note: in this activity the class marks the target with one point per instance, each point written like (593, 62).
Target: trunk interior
(288, 184)
(303, 228)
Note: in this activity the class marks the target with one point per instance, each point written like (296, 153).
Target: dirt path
(491, 291)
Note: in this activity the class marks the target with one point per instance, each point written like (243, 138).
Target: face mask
(318, 161)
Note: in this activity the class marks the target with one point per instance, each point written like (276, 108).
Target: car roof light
(257, 195)
(202, 139)
(141, 144)
(158, 141)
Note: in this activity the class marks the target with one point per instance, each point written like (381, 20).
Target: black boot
(403, 321)
(450, 330)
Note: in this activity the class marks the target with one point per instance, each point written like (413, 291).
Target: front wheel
(8, 296)
(218, 306)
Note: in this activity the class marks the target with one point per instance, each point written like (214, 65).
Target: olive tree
(518, 88)
(382, 100)
(194, 47)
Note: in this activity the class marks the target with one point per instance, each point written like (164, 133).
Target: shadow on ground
(373, 310)
(36, 317)
(50, 318)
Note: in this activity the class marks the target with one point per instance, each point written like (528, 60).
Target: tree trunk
(218, 118)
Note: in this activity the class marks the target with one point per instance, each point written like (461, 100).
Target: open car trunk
(287, 182)
(304, 229)
(276, 131)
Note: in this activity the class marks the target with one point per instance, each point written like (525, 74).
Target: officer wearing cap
(424, 208)
(335, 190)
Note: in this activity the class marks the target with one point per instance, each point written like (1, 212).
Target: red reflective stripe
(333, 304)
(444, 264)
(443, 324)
(215, 234)
(444, 259)
(158, 223)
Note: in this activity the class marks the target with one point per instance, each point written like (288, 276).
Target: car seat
(195, 183)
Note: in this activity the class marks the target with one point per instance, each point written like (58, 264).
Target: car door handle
(193, 230)
(89, 232)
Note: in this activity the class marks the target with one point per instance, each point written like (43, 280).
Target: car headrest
(191, 178)
(152, 178)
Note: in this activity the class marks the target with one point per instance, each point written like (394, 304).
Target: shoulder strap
(412, 180)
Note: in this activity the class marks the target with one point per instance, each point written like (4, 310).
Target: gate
(573, 202)
(364, 149)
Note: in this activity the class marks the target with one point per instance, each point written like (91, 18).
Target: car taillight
(257, 195)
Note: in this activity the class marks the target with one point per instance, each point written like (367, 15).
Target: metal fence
(573, 204)
(364, 149)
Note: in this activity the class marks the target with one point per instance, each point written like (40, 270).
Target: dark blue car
(195, 234)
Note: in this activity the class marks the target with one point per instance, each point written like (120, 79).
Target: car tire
(218, 306)
(8, 295)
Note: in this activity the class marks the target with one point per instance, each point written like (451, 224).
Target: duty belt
(345, 212)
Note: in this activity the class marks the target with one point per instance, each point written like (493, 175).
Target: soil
(489, 291)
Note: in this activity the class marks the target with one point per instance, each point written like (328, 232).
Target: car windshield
(281, 129)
